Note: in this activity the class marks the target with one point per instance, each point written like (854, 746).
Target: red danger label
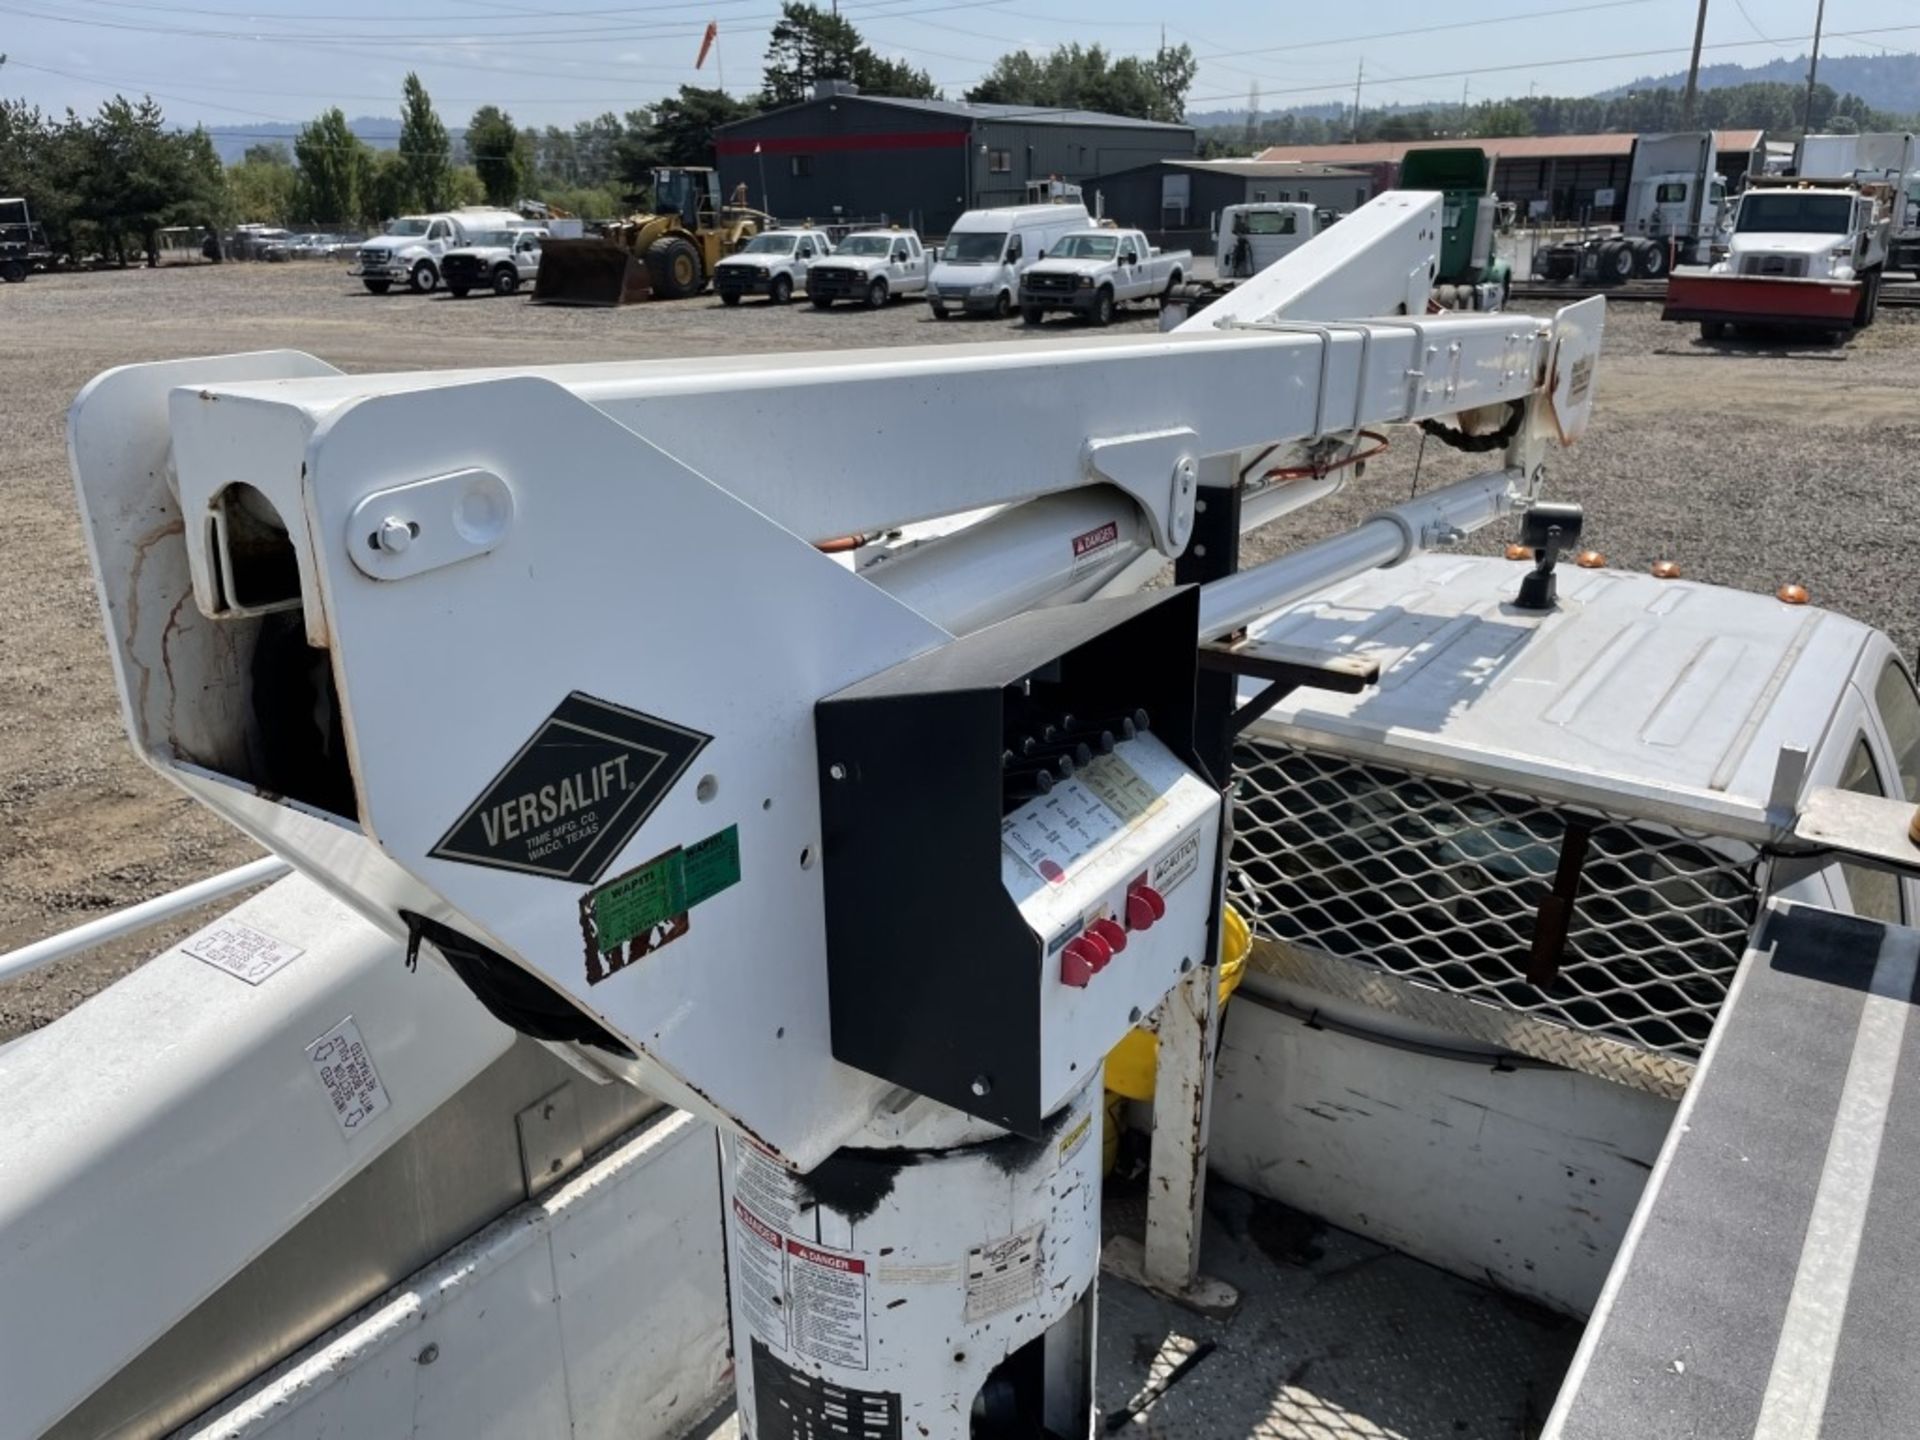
(758, 1226)
(1094, 540)
(826, 1259)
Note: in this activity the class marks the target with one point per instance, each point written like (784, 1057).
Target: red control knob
(1144, 906)
(1098, 947)
(1076, 964)
(1105, 929)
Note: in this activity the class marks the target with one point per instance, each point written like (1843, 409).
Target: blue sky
(228, 62)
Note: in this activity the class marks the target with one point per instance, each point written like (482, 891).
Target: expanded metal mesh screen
(1440, 882)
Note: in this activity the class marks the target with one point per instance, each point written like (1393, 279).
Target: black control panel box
(934, 973)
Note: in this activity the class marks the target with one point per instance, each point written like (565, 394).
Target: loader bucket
(589, 272)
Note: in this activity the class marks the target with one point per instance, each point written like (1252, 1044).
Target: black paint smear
(852, 1182)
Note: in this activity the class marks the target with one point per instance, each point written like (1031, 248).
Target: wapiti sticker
(572, 797)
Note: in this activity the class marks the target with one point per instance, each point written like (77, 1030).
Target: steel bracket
(1161, 470)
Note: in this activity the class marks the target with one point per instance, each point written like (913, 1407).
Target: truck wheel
(506, 280)
(377, 287)
(1616, 263)
(13, 272)
(877, 293)
(458, 292)
(939, 310)
(1869, 299)
(675, 268)
(1713, 329)
(1102, 314)
(1031, 314)
(729, 297)
(423, 279)
(1002, 305)
(1653, 262)
(821, 302)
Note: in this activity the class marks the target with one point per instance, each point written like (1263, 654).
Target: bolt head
(395, 535)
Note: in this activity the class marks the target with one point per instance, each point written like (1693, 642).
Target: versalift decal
(572, 797)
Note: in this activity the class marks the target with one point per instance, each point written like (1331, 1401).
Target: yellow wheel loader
(668, 253)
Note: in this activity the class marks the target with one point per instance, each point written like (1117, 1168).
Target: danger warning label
(573, 795)
(827, 1309)
(760, 1272)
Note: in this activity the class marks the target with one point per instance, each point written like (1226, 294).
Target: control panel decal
(567, 803)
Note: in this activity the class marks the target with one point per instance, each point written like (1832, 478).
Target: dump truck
(1471, 276)
(1886, 158)
(669, 252)
(1804, 255)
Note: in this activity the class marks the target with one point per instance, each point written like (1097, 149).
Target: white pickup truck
(773, 263)
(1091, 272)
(872, 266)
(496, 260)
(410, 250)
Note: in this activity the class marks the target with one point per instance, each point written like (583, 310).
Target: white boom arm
(466, 547)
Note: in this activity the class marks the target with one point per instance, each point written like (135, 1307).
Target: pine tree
(426, 155)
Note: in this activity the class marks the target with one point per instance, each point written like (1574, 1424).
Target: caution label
(1171, 870)
(240, 950)
(344, 1067)
(1003, 1274)
(573, 795)
(827, 1305)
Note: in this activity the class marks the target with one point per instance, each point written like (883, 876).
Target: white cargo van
(986, 251)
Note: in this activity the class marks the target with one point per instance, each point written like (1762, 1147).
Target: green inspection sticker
(666, 886)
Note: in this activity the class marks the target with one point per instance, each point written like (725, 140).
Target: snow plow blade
(589, 272)
(1775, 300)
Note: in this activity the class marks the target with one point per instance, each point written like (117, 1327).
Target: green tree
(385, 195)
(1076, 77)
(271, 152)
(493, 147)
(681, 132)
(810, 44)
(263, 193)
(333, 167)
(426, 154)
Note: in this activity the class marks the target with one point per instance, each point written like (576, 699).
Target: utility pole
(1813, 67)
(1359, 75)
(1696, 245)
(1466, 85)
(1693, 68)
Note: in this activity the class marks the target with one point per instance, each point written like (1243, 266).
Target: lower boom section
(1762, 300)
(913, 1293)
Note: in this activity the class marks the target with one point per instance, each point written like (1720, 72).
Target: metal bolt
(428, 1354)
(394, 535)
(982, 1086)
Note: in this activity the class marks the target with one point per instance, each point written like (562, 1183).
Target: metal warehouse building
(1555, 177)
(847, 156)
(1178, 199)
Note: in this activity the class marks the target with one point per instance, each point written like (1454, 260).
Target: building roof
(1271, 169)
(1505, 147)
(967, 110)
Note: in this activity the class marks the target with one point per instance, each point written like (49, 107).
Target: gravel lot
(1748, 465)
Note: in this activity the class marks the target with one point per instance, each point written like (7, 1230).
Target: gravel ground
(1748, 465)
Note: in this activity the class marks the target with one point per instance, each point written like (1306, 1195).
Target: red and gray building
(1553, 177)
(843, 156)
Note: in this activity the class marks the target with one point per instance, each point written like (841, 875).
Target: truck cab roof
(1680, 694)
